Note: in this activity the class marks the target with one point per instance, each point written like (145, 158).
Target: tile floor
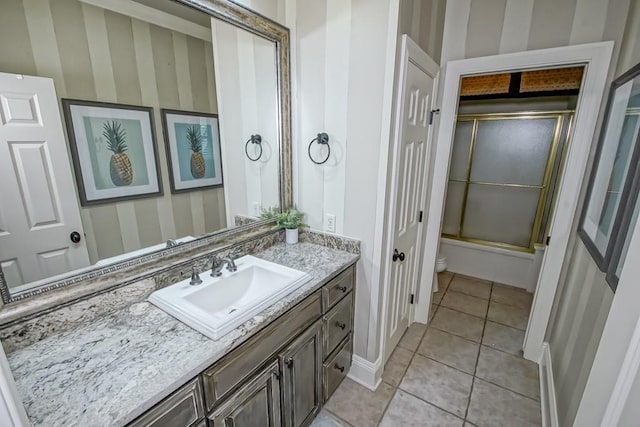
(464, 369)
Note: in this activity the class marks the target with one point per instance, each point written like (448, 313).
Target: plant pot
(291, 235)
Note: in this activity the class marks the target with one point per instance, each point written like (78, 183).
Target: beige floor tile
(358, 405)
(470, 286)
(456, 323)
(327, 419)
(438, 384)
(450, 350)
(509, 371)
(432, 311)
(444, 279)
(396, 366)
(465, 303)
(503, 338)
(409, 411)
(494, 406)
(511, 296)
(437, 297)
(509, 315)
(412, 337)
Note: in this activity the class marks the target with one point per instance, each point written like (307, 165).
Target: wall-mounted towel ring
(322, 139)
(255, 139)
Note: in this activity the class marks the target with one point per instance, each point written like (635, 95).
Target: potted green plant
(290, 219)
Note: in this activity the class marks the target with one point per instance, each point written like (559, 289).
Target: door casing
(596, 57)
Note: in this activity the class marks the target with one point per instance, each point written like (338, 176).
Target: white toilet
(441, 264)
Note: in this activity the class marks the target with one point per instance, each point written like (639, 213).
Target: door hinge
(432, 113)
(411, 299)
(548, 240)
(420, 217)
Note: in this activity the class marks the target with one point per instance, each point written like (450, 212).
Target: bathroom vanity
(282, 375)
(140, 366)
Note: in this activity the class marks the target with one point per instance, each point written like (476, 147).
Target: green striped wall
(95, 54)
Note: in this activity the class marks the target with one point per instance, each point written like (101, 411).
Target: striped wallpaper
(488, 27)
(423, 21)
(95, 54)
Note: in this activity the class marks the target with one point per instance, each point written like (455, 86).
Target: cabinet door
(256, 404)
(182, 408)
(302, 378)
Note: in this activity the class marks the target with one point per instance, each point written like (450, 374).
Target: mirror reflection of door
(37, 214)
(158, 54)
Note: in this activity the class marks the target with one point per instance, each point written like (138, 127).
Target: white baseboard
(366, 373)
(547, 390)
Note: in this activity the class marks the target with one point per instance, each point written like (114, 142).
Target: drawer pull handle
(342, 288)
(339, 368)
(341, 325)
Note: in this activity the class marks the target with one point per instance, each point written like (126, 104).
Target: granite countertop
(111, 370)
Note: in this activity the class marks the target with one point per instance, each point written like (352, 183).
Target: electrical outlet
(257, 209)
(330, 223)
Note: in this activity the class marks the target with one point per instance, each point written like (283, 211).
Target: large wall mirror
(131, 126)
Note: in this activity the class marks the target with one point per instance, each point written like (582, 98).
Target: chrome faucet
(218, 264)
(195, 277)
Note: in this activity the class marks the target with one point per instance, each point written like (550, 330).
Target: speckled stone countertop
(114, 368)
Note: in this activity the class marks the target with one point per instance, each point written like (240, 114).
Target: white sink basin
(221, 304)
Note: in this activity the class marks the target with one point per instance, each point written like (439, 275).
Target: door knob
(398, 256)
(75, 237)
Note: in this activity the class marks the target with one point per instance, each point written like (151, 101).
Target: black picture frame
(176, 185)
(608, 259)
(88, 193)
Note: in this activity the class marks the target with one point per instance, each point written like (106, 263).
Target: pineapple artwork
(120, 167)
(194, 139)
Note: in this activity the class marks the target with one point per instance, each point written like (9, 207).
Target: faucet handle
(216, 266)
(231, 266)
(195, 277)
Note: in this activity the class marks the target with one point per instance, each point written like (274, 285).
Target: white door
(38, 206)
(410, 167)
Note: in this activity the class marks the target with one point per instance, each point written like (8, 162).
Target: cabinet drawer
(333, 291)
(182, 408)
(336, 368)
(337, 324)
(233, 369)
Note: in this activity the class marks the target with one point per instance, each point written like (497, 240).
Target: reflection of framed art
(193, 149)
(611, 185)
(113, 150)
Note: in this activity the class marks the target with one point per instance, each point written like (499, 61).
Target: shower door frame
(560, 116)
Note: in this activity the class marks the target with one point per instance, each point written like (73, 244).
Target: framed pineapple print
(113, 150)
(193, 149)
